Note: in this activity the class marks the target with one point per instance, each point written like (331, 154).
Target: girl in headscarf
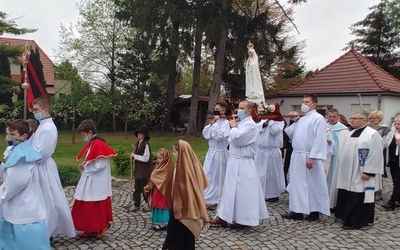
(159, 189)
(188, 203)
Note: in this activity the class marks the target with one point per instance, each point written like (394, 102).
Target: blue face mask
(38, 116)
(241, 114)
(87, 138)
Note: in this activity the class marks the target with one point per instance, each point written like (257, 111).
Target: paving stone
(132, 230)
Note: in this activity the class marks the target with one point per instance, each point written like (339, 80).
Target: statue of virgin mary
(254, 88)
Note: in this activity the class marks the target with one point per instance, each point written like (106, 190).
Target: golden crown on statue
(250, 45)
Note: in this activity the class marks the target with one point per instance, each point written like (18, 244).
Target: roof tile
(350, 73)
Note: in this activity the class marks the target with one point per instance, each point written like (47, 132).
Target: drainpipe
(379, 101)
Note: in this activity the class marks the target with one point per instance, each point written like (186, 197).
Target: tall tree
(377, 38)
(164, 28)
(263, 22)
(94, 50)
(287, 74)
(74, 104)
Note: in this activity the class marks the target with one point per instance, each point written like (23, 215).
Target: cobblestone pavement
(132, 230)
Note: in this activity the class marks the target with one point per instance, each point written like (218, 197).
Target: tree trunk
(126, 128)
(192, 126)
(172, 74)
(73, 126)
(219, 61)
(170, 92)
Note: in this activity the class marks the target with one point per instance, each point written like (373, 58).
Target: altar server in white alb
(242, 202)
(22, 209)
(92, 209)
(44, 140)
(338, 133)
(359, 162)
(308, 191)
(217, 134)
(268, 159)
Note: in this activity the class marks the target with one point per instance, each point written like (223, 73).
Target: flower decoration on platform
(264, 108)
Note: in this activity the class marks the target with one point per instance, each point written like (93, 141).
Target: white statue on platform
(254, 88)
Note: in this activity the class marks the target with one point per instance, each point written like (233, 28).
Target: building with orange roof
(350, 83)
(17, 70)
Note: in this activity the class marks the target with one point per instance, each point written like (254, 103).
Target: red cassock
(92, 216)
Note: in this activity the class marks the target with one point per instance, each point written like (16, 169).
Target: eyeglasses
(356, 118)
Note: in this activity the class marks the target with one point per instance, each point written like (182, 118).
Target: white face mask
(304, 108)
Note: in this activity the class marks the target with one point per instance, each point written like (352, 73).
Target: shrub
(69, 175)
(122, 161)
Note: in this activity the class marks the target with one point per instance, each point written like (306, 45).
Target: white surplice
(59, 219)
(268, 159)
(95, 172)
(216, 158)
(308, 190)
(360, 155)
(339, 133)
(242, 198)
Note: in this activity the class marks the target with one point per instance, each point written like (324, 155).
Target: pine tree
(377, 39)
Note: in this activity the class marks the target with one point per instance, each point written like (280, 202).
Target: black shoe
(397, 204)
(389, 205)
(313, 216)
(275, 199)
(293, 216)
(349, 227)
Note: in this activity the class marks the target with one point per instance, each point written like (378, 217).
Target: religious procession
(326, 166)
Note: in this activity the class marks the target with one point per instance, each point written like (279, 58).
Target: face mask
(39, 116)
(304, 108)
(11, 141)
(217, 112)
(241, 114)
(87, 138)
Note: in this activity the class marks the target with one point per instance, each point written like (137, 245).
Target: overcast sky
(323, 24)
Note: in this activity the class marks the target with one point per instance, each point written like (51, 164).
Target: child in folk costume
(22, 207)
(188, 202)
(143, 165)
(159, 189)
(92, 210)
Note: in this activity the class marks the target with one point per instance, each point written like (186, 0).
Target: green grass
(66, 151)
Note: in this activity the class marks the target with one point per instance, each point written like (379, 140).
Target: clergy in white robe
(254, 87)
(338, 133)
(22, 208)
(308, 191)
(44, 140)
(217, 133)
(242, 200)
(268, 159)
(360, 160)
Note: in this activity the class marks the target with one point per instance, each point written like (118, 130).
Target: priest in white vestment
(338, 133)
(268, 159)
(308, 191)
(360, 160)
(242, 202)
(217, 134)
(44, 140)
